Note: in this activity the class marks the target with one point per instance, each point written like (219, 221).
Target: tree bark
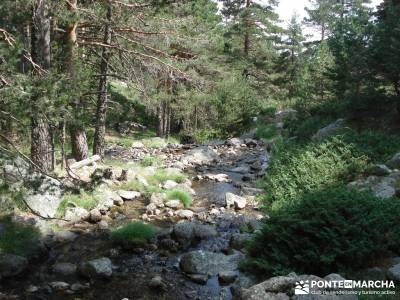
(100, 130)
(247, 33)
(77, 131)
(42, 148)
(79, 143)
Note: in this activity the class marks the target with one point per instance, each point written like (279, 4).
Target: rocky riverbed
(197, 249)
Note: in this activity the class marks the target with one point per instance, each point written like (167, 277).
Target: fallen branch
(85, 162)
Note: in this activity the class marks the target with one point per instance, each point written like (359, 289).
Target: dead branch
(129, 5)
(7, 37)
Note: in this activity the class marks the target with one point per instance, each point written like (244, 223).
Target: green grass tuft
(83, 199)
(133, 234)
(182, 196)
(149, 161)
(162, 176)
(17, 238)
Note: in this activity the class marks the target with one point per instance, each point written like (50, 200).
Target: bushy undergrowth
(298, 169)
(332, 230)
(133, 234)
(182, 196)
(17, 238)
(376, 145)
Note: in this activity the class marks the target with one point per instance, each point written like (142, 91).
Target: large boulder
(65, 269)
(282, 287)
(96, 268)
(234, 142)
(128, 195)
(200, 155)
(76, 214)
(330, 130)
(382, 187)
(12, 265)
(394, 162)
(209, 263)
(232, 200)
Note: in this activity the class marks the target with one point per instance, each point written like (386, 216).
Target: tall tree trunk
(77, 131)
(42, 148)
(100, 130)
(247, 33)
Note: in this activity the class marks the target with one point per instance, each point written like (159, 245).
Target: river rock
(203, 231)
(198, 278)
(240, 240)
(209, 263)
(169, 185)
(103, 225)
(232, 200)
(200, 155)
(243, 169)
(394, 162)
(184, 231)
(12, 265)
(234, 142)
(76, 214)
(96, 268)
(394, 273)
(380, 170)
(330, 130)
(65, 269)
(157, 283)
(77, 287)
(184, 213)
(157, 199)
(174, 204)
(227, 277)
(59, 285)
(137, 144)
(129, 195)
(95, 215)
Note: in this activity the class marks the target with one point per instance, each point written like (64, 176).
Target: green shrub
(182, 196)
(298, 169)
(17, 238)
(266, 131)
(133, 234)
(335, 230)
(377, 146)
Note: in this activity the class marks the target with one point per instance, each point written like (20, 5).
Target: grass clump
(182, 196)
(298, 169)
(133, 234)
(84, 199)
(337, 229)
(162, 176)
(150, 161)
(17, 238)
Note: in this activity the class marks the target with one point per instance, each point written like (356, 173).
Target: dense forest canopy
(195, 69)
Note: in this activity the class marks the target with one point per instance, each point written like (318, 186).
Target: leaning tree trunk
(100, 130)
(77, 131)
(42, 147)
